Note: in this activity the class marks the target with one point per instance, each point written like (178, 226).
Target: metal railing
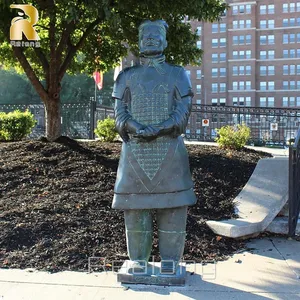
(294, 184)
(78, 120)
(269, 126)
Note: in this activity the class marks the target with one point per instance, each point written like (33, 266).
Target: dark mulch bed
(55, 203)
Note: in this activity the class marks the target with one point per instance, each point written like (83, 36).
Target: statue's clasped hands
(148, 133)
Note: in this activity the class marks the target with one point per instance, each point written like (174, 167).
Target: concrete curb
(259, 202)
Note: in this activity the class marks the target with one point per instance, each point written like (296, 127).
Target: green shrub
(16, 125)
(233, 137)
(106, 130)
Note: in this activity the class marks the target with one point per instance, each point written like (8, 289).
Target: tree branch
(74, 49)
(40, 54)
(30, 73)
(64, 39)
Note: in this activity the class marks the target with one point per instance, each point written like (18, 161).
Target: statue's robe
(153, 174)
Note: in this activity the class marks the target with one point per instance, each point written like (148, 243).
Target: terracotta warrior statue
(152, 107)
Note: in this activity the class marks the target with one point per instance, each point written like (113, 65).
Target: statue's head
(152, 37)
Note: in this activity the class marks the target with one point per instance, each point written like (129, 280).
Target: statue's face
(152, 41)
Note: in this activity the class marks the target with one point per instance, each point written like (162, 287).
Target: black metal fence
(36, 109)
(294, 185)
(78, 119)
(269, 126)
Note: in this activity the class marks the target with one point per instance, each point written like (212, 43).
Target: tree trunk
(53, 119)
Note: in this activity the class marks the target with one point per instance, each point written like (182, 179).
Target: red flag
(98, 77)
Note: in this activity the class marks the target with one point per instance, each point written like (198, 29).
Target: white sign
(273, 126)
(205, 122)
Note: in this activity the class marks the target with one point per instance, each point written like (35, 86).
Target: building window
(271, 102)
(263, 40)
(199, 44)
(285, 101)
(198, 101)
(263, 70)
(271, 85)
(248, 39)
(248, 70)
(235, 40)
(263, 24)
(248, 9)
(199, 30)
(285, 85)
(271, 54)
(248, 53)
(292, 7)
(198, 88)
(248, 85)
(285, 22)
(188, 72)
(271, 9)
(248, 23)
(214, 87)
(235, 85)
(262, 101)
(271, 24)
(222, 101)
(198, 74)
(271, 70)
(263, 85)
(222, 87)
(285, 39)
(248, 101)
(214, 57)
(263, 54)
(215, 27)
(214, 72)
(235, 101)
(215, 43)
(263, 9)
(223, 27)
(234, 70)
(271, 39)
(235, 10)
(241, 70)
(222, 42)
(223, 56)
(214, 101)
(285, 8)
(223, 71)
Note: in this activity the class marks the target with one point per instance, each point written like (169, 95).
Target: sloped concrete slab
(259, 202)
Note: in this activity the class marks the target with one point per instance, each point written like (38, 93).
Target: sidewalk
(269, 269)
(273, 151)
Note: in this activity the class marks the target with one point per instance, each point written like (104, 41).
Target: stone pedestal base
(151, 275)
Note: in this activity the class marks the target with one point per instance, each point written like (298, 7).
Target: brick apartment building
(251, 57)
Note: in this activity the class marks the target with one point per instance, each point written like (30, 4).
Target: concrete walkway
(269, 269)
(273, 151)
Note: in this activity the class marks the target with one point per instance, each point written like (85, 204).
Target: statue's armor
(153, 174)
